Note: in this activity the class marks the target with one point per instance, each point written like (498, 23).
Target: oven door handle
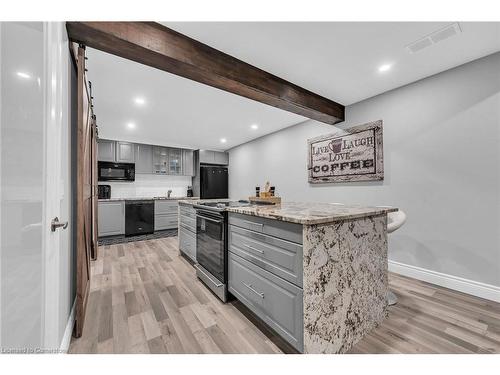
(210, 219)
(217, 284)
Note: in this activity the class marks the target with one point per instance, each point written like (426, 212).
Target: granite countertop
(197, 200)
(148, 198)
(311, 213)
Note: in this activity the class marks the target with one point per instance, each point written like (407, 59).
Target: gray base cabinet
(187, 231)
(265, 272)
(111, 218)
(274, 300)
(166, 216)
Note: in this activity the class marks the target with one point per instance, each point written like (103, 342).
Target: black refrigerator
(213, 182)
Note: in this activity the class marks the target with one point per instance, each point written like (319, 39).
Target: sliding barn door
(84, 190)
(94, 186)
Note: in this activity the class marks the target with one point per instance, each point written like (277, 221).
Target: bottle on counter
(257, 191)
(272, 190)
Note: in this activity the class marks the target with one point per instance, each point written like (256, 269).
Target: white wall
(146, 186)
(442, 166)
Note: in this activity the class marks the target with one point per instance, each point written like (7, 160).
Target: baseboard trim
(475, 288)
(68, 331)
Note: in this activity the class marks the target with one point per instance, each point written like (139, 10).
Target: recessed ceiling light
(131, 125)
(223, 140)
(23, 75)
(384, 67)
(139, 101)
(254, 126)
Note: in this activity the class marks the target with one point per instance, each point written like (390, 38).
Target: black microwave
(109, 171)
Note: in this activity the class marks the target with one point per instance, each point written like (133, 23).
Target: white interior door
(22, 185)
(59, 284)
(36, 265)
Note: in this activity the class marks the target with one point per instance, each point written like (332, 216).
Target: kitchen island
(315, 273)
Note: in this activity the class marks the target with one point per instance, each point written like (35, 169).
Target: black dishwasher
(139, 217)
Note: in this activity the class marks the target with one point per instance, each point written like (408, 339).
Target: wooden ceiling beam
(158, 46)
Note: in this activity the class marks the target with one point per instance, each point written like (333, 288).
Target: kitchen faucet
(168, 193)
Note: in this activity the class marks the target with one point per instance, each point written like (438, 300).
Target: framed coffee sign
(354, 154)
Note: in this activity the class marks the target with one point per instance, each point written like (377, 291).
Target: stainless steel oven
(211, 244)
(211, 250)
(109, 171)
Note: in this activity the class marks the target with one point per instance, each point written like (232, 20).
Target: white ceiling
(177, 111)
(338, 60)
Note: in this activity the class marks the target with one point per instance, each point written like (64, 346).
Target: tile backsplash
(150, 186)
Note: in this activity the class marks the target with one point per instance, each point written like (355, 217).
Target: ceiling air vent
(435, 37)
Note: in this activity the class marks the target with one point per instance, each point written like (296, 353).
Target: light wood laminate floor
(145, 298)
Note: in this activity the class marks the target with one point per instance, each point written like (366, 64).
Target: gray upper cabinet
(174, 161)
(143, 158)
(188, 162)
(106, 150)
(214, 157)
(160, 160)
(207, 156)
(150, 159)
(125, 152)
(221, 158)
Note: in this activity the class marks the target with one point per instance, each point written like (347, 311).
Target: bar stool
(395, 220)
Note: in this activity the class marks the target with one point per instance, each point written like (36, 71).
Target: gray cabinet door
(221, 158)
(207, 156)
(160, 160)
(143, 158)
(111, 218)
(105, 150)
(274, 300)
(174, 161)
(125, 152)
(188, 162)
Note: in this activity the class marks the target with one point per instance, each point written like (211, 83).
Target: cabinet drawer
(276, 301)
(166, 206)
(187, 243)
(167, 221)
(287, 231)
(283, 258)
(187, 211)
(188, 222)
